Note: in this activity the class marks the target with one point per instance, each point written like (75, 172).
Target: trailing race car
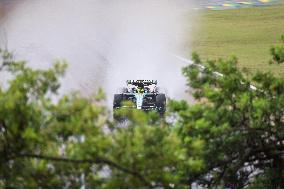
(143, 94)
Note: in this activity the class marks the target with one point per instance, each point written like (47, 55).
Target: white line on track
(202, 68)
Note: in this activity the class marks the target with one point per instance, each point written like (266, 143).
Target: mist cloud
(105, 42)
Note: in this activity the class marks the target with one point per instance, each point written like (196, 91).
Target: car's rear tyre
(161, 103)
(117, 100)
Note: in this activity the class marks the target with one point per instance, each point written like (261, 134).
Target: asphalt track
(234, 4)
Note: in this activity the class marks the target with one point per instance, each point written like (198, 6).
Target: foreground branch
(97, 160)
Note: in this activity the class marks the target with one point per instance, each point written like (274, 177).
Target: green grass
(247, 33)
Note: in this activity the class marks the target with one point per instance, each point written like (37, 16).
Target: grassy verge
(247, 33)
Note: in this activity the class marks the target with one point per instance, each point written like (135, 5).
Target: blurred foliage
(240, 124)
(277, 52)
(54, 141)
(231, 137)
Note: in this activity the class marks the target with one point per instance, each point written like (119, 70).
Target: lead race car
(143, 94)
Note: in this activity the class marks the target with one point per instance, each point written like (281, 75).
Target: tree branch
(97, 160)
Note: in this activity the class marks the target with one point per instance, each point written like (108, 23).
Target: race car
(143, 94)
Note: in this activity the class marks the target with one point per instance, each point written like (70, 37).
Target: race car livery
(143, 94)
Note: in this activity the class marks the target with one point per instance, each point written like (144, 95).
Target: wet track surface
(106, 42)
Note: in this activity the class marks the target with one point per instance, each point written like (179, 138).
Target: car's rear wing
(145, 82)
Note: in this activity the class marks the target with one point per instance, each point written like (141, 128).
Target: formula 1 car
(143, 94)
